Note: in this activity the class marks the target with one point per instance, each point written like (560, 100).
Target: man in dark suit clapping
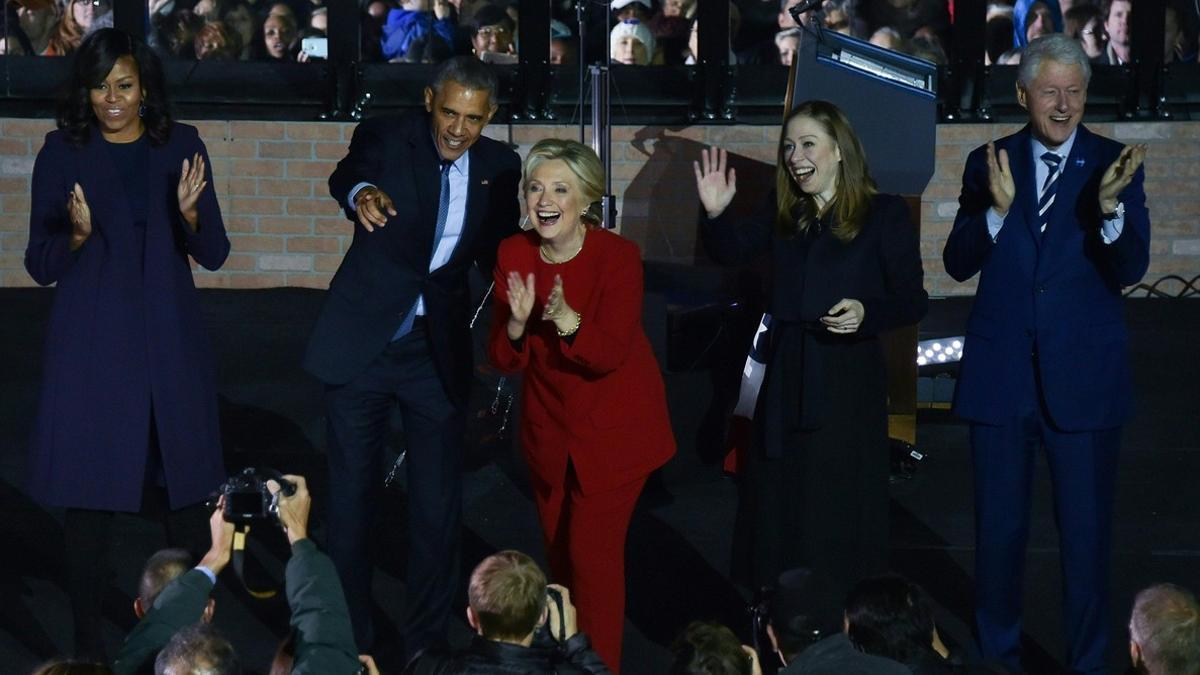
(430, 197)
(1053, 219)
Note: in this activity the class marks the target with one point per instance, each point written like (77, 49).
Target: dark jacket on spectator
(324, 638)
(404, 27)
(486, 657)
(181, 603)
(836, 655)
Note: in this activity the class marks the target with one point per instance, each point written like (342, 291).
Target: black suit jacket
(384, 271)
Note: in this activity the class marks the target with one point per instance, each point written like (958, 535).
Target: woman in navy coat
(127, 417)
(845, 266)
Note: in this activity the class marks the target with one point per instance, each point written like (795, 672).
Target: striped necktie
(1049, 189)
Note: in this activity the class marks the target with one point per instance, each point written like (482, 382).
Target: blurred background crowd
(639, 32)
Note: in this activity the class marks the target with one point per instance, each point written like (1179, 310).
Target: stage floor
(679, 543)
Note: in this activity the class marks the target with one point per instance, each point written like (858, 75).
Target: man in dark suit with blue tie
(1053, 219)
(430, 198)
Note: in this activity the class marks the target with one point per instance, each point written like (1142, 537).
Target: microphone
(802, 7)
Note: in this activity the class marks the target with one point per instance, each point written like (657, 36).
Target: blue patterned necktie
(443, 210)
(1049, 189)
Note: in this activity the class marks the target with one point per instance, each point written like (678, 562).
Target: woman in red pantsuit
(594, 419)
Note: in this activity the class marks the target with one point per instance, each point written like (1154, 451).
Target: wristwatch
(1118, 213)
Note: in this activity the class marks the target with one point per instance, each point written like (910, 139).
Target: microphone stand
(601, 120)
(581, 58)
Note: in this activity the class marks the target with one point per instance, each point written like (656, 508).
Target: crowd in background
(640, 32)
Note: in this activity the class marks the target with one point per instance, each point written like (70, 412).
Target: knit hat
(638, 31)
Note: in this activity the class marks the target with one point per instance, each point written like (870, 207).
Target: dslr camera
(247, 498)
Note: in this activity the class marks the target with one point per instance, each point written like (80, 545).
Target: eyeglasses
(93, 3)
(489, 31)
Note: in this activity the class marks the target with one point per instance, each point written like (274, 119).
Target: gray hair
(197, 650)
(1054, 47)
(1166, 625)
(469, 72)
(788, 33)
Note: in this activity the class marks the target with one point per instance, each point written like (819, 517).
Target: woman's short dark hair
(889, 616)
(706, 648)
(94, 60)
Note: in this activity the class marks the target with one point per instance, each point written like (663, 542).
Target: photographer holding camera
(324, 640)
(522, 626)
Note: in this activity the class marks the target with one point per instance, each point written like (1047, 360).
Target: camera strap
(238, 559)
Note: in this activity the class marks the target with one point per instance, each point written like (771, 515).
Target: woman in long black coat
(128, 406)
(845, 266)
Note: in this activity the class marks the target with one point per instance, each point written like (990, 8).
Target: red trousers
(585, 542)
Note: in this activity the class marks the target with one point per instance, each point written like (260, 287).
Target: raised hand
(373, 207)
(191, 184)
(716, 188)
(520, 303)
(81, 217)
(1118, 175)
(1000, 179)
(441, 9)
(221, 539)
(293, 510)
(845, 317)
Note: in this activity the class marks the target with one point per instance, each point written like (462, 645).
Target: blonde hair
(508, 595)
(580, 159)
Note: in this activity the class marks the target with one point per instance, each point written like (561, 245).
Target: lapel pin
(1078, 161)
(483, 182)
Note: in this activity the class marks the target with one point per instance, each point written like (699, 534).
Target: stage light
(940, 351)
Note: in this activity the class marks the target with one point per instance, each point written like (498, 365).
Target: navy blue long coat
(125, 336)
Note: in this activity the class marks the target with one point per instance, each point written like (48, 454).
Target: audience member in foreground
(519, 627)
(706, 648)
(1164, 631)
(324, 642)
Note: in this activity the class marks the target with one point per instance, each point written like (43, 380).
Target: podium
(891, 99)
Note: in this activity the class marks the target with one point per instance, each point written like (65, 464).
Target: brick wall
(287, 231)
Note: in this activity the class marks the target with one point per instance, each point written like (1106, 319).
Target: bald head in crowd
(1164, 631)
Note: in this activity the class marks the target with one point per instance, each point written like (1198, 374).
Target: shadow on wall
(661, 210)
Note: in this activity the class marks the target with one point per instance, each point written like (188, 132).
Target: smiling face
(1055, 100)
(115, 102)
(812, 157)
(497, 38)
(458, 116)
(554, 201)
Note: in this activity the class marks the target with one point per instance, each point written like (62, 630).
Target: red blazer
(599, 399)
